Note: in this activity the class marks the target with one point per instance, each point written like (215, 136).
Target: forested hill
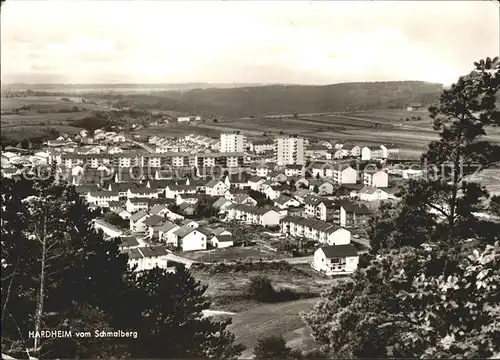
(289, 99)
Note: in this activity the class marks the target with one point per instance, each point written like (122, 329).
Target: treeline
(281, 99)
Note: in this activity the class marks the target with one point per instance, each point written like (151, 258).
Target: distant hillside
(288, 99)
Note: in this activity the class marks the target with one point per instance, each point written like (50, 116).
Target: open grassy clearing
(227, 287)
(233, 254)
(276, 319)
(52, 102)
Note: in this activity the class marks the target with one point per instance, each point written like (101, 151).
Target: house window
(335, 261)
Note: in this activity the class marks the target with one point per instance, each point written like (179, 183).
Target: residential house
(187, 209)
(323, 187)
(371, 153)
(142, 192)
(222, 204)
(137, 221)
(108, 229)
(166, 233)
(255, 182)
(192, 199)
(301, 194)
(189, 238)
(133, 205)
(352, 214)
(378, 179)
(102, 198)
(294, 170)
(272, 192)
(147, 258)
(369, 193)
(216, 187)
(128, 242)
(160, 210)
(285, 202)
(244, 198)
(342, 175)
(316, 230)
(152, 223)
(222, 241)
(310, 203)
(171, 191)
(278, 177)
(336, 259)
(190, 223)
(327, 210)
(254, 215)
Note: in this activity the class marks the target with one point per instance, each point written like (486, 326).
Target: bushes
(247, 266)
(261, 289)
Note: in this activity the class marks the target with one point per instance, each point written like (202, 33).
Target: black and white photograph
(250, 179)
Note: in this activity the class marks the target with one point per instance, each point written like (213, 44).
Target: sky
(303, 42)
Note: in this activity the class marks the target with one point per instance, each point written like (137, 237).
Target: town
(250, 180)
(166, 197)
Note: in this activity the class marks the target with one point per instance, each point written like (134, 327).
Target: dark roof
(282, 199)
(143, 190)
(138, 215)
(183, 231)
(138, 200)
(153, 220)
(239, 198)
(129, 241)
(122, 186)
(217, 204)
(153, 251)
(167, 226)
(225, 238)
(339, 251)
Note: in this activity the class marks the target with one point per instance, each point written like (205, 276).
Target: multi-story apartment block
(232, 142)
(223, 160)
(166, 160)
(289, 150)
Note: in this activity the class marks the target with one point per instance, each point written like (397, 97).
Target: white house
(336, 259)
(222, 204)
(147, 257)
(152, 223)
(222, 241)
(171, 191)
(102, 198)
(142, 193)
(376, 179)
(216, 187)
(189, 238)
(137, 204)
(137, 221)
(253, 215)
(108, 229)
(271, 192)
(166, 233)
(255, 183)
(346, 175)
(369, 193)
(285, 202)
(316, 230)
(243, 198)
(372, 152)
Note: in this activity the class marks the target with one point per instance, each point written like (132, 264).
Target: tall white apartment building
(289, 150)
(232, 142)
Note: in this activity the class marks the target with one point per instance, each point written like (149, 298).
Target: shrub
(261, 289)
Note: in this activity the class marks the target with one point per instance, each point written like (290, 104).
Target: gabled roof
(213, 182)
(138, 200)
(129, 241)
(255, 179)
(143, 190)
(116, 204)
(225, 238)
(239, 198)
(167, 226)
(138, 215)
(359, 209)
(251, 209)
(123, 186)
(104, 193)
(157, 208)
(220, 202)
(339, 251)
(302, 192)
(283, 199)
(182, 187)
(184, 230)
(153, 220)
(186, 205)
(153, 251)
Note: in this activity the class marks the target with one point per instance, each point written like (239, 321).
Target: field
(227, 285)
(232, 254)
(25, 117)
(276, 319)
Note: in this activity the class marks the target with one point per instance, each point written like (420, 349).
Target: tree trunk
(39, 305)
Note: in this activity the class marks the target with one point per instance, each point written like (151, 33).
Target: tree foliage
(58, 273)
(413, 303)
